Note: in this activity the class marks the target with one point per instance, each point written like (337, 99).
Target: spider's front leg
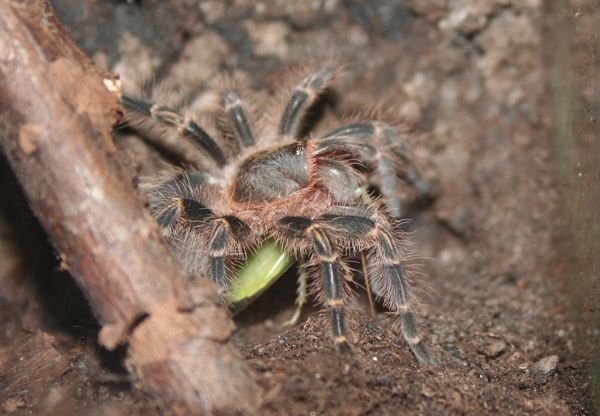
(357, 228)
(323, 247)
(193, 228)
(384, 149)
(228, 232)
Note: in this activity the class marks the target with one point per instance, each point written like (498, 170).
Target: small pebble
(427, 392)
(495, 348)
(543, 369)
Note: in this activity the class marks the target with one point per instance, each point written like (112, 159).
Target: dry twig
(56, 114)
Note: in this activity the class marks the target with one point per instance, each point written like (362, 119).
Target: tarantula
(301, 191)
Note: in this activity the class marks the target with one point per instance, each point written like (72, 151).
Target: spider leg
(172, 118)
(225, 232)
(179, 210)
(331, 267)
(174, 202)
(381, 146)
(365, 273)
(305, 94)
(385, 258)
(238, 118)
(301, 295)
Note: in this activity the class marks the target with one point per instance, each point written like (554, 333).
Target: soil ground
(473, 80)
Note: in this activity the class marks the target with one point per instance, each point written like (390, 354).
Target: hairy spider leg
(384, 258)
(177, 208)
(170, 117)
(305, 94)
(227, 231)
(365, 273)
(301, 293)
(331, 266)
(381, 146)
(238, 118)
(170, 199)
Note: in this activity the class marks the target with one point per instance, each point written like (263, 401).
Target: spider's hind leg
(396, 293)
(381, 146)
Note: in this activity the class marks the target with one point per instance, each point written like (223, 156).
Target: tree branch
(56, 115)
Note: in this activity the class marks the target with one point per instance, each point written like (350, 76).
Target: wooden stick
(56, 116)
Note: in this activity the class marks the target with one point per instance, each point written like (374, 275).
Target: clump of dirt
(472, 79)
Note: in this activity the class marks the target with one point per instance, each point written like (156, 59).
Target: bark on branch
(56, 115)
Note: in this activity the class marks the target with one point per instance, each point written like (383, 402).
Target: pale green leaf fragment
(259, 272)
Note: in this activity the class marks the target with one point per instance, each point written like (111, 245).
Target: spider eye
(299, 149)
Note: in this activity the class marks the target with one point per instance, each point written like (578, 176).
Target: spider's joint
(180, 203)
(231, 99)
(405, 308)
(322, 244)
(413, 340)
(340, 339)
(167, 116)
(317, 80)
(334, 303)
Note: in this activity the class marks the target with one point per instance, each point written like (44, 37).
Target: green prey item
(258, 273)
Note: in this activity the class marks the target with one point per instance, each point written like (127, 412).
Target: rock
(495, 348)
(544, 368)
(467, 16)
(269, 38)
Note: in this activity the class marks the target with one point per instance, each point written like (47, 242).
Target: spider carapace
(307, 193)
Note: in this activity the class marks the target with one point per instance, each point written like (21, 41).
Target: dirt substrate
(473, 79)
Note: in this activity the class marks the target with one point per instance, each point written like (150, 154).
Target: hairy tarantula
(305, 193)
